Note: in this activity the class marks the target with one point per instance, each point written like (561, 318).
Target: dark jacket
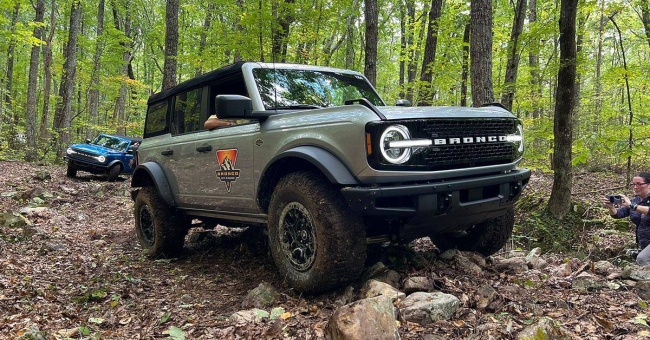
(642, 222)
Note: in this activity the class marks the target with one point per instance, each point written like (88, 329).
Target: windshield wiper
(295, 106)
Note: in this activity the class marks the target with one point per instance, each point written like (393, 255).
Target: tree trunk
(599, 62)
(645, 17)
(533, 62)
(30, 127)
(93, 93)
(481, 52)
(372, 18)
(280, 30)
(171, 45)
(119, 115)
(559, 203)
(426, 74)
(63, 112)
(465, 73)
(207, 22)
(403, 48)
(44, 132)
(512, 67)
(9, 115)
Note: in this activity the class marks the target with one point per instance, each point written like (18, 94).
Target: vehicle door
(225, 174)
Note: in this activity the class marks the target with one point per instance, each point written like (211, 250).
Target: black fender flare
(149, 172)
(325, 161)
(116, 161)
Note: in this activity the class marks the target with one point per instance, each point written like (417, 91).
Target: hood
(414, 112)
(93, 149)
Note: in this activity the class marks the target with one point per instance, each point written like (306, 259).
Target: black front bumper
(84, 165)
(432, 208)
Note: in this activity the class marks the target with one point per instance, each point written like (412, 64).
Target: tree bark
(63, 112)
(9, 115)
(372, 18)
(30, 126)
(645, 17)
(533, 63)
(119, 114)
(426, 74)
(465, 73)
(44, 132)
(280, 30)
(93, 93)
(481, 52)
(171, 45)
(559, 203)
(512, 67)
(207, 22)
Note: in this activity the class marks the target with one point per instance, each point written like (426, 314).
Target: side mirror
(232, 106)
(87, 141)
(403, 102)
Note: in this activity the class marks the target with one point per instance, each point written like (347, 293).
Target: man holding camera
(637, 209)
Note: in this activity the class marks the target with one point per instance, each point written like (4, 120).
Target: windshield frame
(103, 140)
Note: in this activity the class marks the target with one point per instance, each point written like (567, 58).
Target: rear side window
(187, 108)
(156, 122)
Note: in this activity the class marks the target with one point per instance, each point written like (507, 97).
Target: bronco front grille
(449, 153)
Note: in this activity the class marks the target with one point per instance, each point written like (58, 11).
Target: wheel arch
(151, 174)
(302, 158)
(118, 162)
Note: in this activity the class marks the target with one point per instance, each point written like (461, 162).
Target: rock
(254, 315)
(38, 211)
(68, 190)
(486, 295)
(536, 252)
(186, 299)
(537, 263)
(642, 289)
(372, 318)
(373, 288)
(42, 175)
(9, 194)
(30, 194)
(562, 270)
(475, 257)
(417, 284)
(374, 270)
(604, 268)
(346, 297)
(390, 277)
(543, 329)
(450, 254)
(516, 253)
(586, 282)
(261, 296)
(512, 265)
(11, 220)
(466, 265)
(636, 273)
(425, 308)
(33, 333)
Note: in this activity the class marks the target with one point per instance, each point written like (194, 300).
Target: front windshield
(291, 88)
(111, 142)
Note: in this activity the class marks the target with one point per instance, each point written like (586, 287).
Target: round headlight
(517, 138)
(69, 151)
(101, 159)
(395, 155)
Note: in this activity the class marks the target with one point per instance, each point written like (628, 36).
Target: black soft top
(197, 82)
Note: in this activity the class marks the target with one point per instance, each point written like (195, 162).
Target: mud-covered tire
(71, 172)
(316, 241)
(487, 237)
(159, 229)
(114, 172)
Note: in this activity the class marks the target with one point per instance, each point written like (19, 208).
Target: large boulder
(374, 288)
(425, 308)
(366, 319)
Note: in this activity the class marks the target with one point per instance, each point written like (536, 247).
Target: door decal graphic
(227, 172)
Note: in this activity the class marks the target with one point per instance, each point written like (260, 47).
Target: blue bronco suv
(106, 154)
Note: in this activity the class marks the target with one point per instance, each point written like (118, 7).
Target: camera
(615, 199)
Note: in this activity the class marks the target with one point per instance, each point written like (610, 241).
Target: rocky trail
(71, 268)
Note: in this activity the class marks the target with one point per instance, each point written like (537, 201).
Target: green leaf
(641, 319)
(84, 330)
(276, 312)
(165, 317)
(176, 333)
(96, 320)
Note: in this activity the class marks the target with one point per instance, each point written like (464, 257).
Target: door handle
(167, 152)
(204, 148)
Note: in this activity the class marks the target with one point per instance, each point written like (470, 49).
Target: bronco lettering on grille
(468, 140)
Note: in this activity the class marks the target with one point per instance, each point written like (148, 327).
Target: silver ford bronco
(314, 157)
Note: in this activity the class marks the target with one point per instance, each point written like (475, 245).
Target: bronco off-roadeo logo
(227, 172)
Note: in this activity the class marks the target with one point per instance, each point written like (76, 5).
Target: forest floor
(77, 271)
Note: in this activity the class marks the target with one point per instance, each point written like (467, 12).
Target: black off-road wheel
(114, 172)
(159, 229)
(487, 237)
(71, 172)
(317, 242)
